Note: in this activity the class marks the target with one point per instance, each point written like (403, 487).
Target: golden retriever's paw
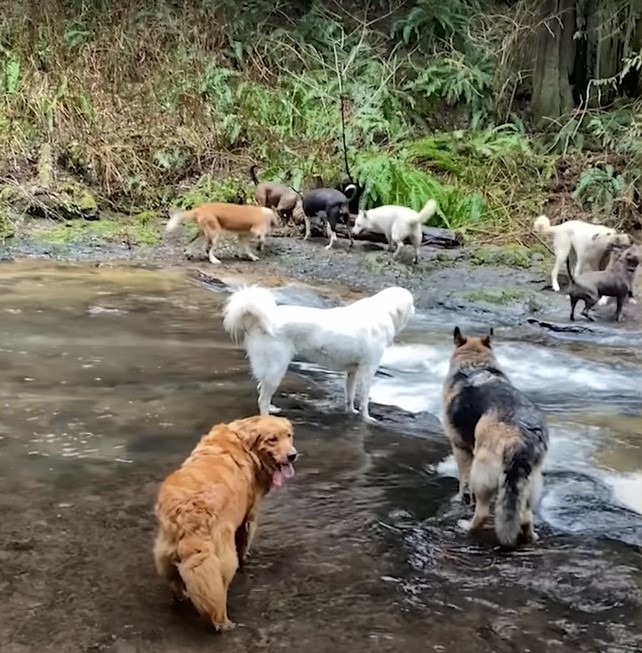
(225, 626)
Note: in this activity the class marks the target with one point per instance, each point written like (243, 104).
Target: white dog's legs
(579, 263)
(399, 246)
(266, 392)
(562, 250)
(351, 390)
(269, 363)
(366, 375)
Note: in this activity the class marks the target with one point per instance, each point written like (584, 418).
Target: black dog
(330, 204)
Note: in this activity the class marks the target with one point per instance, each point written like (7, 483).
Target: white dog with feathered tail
(397, 224)
(351, 338)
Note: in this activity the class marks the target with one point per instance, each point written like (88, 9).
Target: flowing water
(109, 376)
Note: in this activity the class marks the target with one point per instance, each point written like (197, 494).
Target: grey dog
(614, 281)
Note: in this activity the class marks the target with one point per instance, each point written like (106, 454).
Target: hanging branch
(343, 137)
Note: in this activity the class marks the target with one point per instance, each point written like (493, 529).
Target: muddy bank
(500, 285)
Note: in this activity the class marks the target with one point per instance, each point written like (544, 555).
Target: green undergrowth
(169, 104)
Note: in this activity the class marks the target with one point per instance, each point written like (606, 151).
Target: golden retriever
(207, 509)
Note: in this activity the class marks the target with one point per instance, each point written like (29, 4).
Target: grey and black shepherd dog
(499, 439)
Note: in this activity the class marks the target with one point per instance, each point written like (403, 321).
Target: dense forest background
(499, 110)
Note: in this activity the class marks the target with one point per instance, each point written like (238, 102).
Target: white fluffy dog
(573, 234)
(349, 338)
(396, 223)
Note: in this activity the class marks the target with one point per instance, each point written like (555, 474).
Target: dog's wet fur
(499, 439)
(330, 204)
(614, 281)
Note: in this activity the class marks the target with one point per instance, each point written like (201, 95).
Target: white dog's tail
(427, 212)
(249, 309)
(542, 225)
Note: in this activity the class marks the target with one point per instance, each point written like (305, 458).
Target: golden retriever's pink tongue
(281, 475)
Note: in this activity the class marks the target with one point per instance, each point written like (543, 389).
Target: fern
(600, 188)
(394, 180)
(457, 81)
(619, 130)
(429, 22)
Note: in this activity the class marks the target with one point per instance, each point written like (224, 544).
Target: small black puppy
(331, 205)
(615, 281)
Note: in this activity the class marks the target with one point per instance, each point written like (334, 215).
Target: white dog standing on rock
(351, 338)
(573, 234)
(396, 223)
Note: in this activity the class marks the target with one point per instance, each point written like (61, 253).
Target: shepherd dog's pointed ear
(486, 339)
(458, 338)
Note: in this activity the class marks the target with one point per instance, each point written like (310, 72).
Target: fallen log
(432, 236)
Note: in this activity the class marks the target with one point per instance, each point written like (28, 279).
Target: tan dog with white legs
(212, 219)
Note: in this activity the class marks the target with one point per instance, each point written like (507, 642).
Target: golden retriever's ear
(248, 430)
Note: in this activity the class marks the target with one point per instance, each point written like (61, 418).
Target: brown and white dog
(273, 195)
(207, 509)
(212, 219)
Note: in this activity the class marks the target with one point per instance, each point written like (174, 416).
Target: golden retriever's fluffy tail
(249, 309)
(206, 576)
(542, 225)
(175, 218)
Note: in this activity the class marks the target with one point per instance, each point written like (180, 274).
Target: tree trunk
(554, 59)
(610, 37)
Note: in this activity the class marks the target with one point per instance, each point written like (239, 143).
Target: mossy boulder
(65, 202)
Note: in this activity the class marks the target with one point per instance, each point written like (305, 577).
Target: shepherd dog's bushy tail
(512, 493)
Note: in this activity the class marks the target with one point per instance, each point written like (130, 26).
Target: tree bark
(554, 59)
